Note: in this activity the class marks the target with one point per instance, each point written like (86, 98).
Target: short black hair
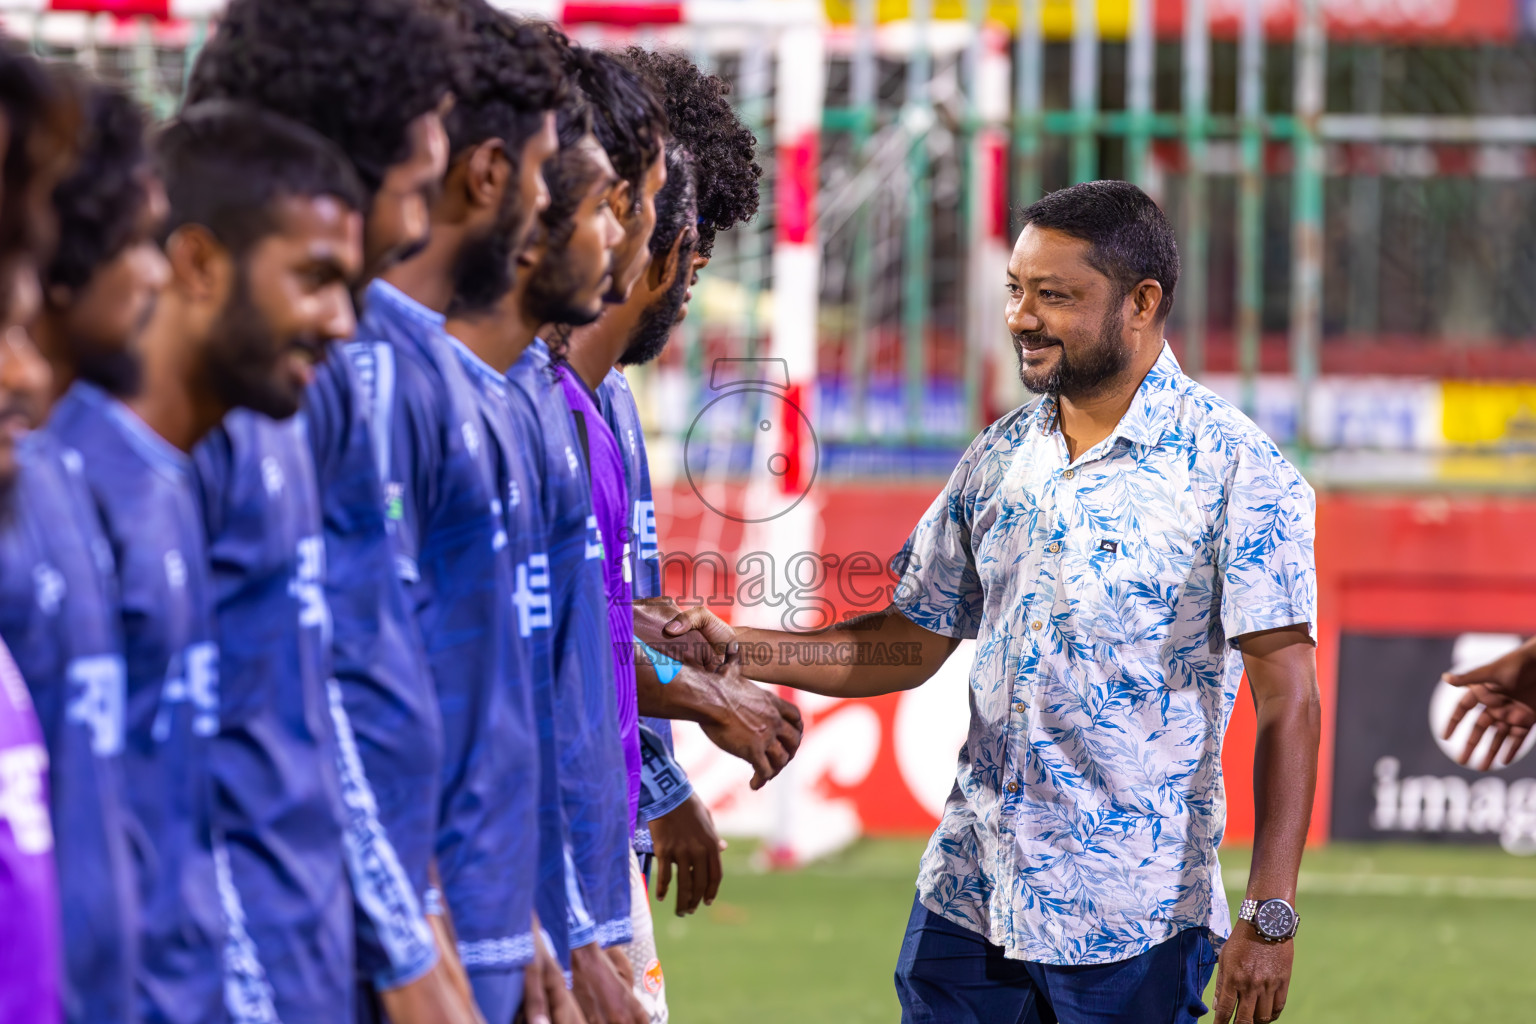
(226, 165)
(677, 204)
(99, 203)
(627, 116)
(724, 149)
(356, 71)
(510, 74)
(1129, 237)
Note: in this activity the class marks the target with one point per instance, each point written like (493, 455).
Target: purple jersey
(29, 928)
(610, 504)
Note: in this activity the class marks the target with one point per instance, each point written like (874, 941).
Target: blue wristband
(666, 668)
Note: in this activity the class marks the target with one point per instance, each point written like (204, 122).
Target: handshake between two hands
(740, 717)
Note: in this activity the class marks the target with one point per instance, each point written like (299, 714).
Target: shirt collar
(1156, 403)
(153, 448)
(388, 300)
(474, 364)
(1151, 412)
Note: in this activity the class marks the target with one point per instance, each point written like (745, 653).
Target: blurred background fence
(1353, 182)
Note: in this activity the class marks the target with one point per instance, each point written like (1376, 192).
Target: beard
(552, 291)
(483, 271)
(1085, 373)
(119, 372)
(655, 327)
(118, 369)
(243, 355)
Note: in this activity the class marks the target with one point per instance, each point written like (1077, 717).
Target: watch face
(1274, 919)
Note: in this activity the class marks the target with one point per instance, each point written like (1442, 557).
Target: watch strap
(1248, 911)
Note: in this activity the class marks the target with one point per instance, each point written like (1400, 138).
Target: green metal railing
(1084, 126)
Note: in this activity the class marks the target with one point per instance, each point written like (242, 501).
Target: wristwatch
(1274, 920)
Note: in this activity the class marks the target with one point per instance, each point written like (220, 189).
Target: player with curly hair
(563, 275)
(63, 795)
(460, 533)
(343, 67)
(724, 149)
(99, 289)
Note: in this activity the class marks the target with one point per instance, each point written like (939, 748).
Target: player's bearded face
(569, 281)
(25, 379)
(400, 216)
(655, 327)
(483, 269)
(244, 354)
(105, 317)
(288, 301)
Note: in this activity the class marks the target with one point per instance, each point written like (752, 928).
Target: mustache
(22, 408)
(1021, 338)
(312, 343)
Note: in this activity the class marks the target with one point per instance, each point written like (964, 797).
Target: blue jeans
(951, 975)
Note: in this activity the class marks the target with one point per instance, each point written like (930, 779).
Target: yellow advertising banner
(1114, 15)
(1489, 414)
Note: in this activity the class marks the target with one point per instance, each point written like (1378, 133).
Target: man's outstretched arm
(882, 652)
(1254, 975)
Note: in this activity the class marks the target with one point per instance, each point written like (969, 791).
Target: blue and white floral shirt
(1105, 593)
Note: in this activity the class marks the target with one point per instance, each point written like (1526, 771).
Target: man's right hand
(1506, 690)
(738, 716)
(431, 999)
(605, 997)
(761, 728)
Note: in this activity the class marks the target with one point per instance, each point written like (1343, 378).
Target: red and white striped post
(989, 225)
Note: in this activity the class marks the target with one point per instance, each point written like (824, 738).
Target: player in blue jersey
(462, 536)
(31, 955)
(630, 124)
(57, 615)
(100, 289)
(265, 216)
(333, 66)
(572, 251)
(57, 585)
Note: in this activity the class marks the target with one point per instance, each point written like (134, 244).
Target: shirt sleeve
(938, 586)
(663, 784)
(1264, 551)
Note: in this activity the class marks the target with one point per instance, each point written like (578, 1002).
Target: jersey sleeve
(378, 695)
(663, 784)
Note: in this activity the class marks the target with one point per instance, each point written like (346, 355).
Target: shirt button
(1037, 625)
(1020, 707)
(1069, 474)
(1054, 548)
(1013, 787)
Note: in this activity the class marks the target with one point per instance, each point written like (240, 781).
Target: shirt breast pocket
(1144, 588)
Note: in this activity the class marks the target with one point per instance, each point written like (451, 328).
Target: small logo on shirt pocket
(1111, 546)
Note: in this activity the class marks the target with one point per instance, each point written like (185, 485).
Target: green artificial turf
(1390, 934)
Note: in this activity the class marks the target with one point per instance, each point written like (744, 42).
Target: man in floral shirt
(1122, 549)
